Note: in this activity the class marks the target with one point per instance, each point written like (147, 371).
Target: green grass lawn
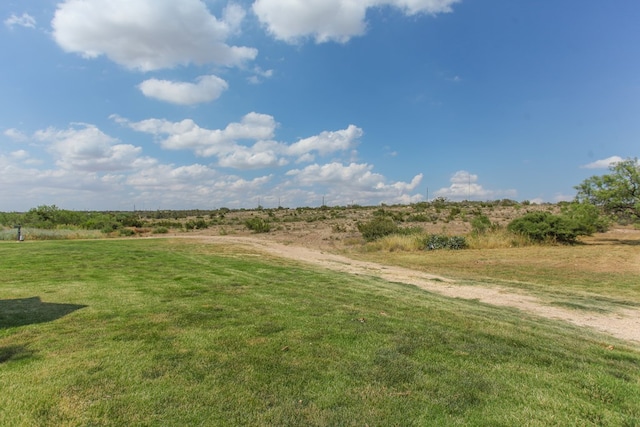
(175, 333)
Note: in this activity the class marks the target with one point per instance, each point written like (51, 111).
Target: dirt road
(623, 324)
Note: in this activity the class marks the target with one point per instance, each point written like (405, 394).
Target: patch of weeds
(258, 225)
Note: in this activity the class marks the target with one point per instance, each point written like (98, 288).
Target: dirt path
(624, 323)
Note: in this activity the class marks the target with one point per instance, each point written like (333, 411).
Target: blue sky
(163, 104)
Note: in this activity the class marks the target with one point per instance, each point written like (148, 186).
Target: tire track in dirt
(623, 324)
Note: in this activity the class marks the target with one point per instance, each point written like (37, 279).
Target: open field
(193, 332)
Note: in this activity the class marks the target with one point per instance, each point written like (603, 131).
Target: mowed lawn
(179, 333)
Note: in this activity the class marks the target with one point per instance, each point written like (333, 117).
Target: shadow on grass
(28, 311)
(628, 242)
(16, 352)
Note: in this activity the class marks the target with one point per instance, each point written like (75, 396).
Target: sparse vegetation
(258, 225)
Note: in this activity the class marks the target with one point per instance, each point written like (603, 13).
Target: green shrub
(199, 224)
(436, 241)
(481, 224)
(126, 232)
(576, 219)
(160, 230)
(378, 227)
(453, 212)
(544, 227)
(538, 226)
(258, 225)
(168, 224)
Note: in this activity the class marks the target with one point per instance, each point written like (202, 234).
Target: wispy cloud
(259, 75)
(25, 20)
(15, 135)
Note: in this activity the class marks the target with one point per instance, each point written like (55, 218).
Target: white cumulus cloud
(206, 89)
(327, 142)
(603, 163)
(87, 148)
(150, 34)
(465, 186)
(332, 20)
(247, 144)
(355, 182)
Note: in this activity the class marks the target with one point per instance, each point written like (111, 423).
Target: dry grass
(603, 268)
(396, 243)
(497, 239)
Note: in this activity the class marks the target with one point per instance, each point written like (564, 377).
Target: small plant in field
(481, 224)
(436, 241)
(378, 227)
(198, 223)
(160, 230)
(453, 212)
(339, 228)
(258, 225)
(126, 232)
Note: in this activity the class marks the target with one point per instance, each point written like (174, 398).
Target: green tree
(585, 218)
(617, 193)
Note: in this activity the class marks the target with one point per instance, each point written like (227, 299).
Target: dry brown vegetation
(335, 228)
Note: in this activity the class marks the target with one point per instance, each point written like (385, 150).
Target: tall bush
(577, 219)
(258, 225)
(378, 227)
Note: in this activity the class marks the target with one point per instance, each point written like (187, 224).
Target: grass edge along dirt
(167, 332)
(600, 275)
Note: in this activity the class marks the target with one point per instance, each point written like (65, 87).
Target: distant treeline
(52, 217)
